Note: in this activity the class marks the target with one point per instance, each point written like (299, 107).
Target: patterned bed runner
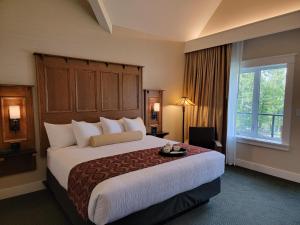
(85, 176)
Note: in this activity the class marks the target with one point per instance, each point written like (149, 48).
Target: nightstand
(17, 162)
(159, 134)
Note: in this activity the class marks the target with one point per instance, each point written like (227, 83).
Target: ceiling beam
(101, 14)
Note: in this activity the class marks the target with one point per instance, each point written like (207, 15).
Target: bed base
(156, 214)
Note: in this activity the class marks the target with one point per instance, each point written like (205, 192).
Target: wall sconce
(156, 107)
(14, 123)
(14, 117)
(155, 110)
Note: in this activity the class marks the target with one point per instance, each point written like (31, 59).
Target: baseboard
(284, 174)
(21, 189)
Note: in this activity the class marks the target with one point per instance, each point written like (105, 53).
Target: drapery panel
(236, 58)
(206, 81)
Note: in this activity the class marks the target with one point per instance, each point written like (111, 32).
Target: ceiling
(178, 20)
(184, 20)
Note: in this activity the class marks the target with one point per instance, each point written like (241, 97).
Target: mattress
(120, 196)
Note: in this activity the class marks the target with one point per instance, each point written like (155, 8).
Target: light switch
(297, 112)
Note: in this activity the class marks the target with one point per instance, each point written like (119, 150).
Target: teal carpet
(247, 198)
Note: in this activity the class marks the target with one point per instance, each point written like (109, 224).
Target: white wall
(68, 27)
(265, 27)
(232, 13)
(286, 161)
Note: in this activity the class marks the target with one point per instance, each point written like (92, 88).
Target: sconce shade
(185, 101)
(14, 112)
(156, 107)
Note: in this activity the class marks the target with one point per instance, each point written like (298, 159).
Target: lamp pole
(183, 112)
(184, 101)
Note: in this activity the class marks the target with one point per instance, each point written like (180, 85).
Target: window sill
(262, 143)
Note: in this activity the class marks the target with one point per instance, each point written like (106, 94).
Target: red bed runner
(85, 176)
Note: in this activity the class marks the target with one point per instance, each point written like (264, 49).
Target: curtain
(236, 57)
(206, 84)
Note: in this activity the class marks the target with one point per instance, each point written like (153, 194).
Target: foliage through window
(261, 99)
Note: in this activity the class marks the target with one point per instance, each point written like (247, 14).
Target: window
(264, 100)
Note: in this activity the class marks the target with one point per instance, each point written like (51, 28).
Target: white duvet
(120, 196)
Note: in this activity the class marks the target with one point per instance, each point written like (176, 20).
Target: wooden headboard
(82, 89)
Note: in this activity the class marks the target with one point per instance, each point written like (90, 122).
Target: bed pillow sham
(111, 126)
(84, 130)
(60, 135)
(134, 125)
(108, 139)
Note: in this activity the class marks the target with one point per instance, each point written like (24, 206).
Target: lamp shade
(156, 107)
(185, 101)
(14, 112)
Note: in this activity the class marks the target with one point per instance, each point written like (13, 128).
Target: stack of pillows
(105, 132)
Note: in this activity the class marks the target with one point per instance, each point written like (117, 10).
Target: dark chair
(203, 137)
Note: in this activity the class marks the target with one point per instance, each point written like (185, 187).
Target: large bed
(83, 90)
(132, 192)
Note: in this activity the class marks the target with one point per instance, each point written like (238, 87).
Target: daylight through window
(261, 101)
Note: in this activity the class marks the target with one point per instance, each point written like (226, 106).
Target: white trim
(256, 64)
(21, 189)
(271, 60)
(284, 174)
(262, 143)
(288, 99)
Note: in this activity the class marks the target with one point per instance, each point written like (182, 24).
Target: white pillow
(111, 126)
(83, 131)
(134, 125)
(60, 135)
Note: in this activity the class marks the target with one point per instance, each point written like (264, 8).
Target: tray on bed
(173, 153)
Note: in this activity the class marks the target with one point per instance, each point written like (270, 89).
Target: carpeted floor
(247, 198)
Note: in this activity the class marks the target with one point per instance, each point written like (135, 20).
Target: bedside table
(159, 134)
(17, 162)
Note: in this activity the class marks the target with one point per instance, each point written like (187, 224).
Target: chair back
(202, 137)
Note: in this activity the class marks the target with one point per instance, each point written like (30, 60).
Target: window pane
(272, 89)
(278, 125)
(245, 95)
(271, 102)
(244, 107)
(265, 126)
(243, 123)
(266, 86)
(266, 129)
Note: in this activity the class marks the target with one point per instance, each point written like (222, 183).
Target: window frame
(257, 65)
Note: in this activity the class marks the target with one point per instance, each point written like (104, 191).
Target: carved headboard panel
(81, 89)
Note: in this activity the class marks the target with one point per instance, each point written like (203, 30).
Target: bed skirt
(152, 215)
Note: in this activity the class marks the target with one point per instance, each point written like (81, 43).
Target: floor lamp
(184, 101)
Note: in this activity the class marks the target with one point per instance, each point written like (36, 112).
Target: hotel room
(135, 112)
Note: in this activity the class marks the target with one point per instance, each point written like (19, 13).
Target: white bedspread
(120, 196)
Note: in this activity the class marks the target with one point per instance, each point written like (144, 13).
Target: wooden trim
(21, 95)
(47, 92)
(95, 88)
(151, 96)
(89, 60)
(105, 92)
(14, 85)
